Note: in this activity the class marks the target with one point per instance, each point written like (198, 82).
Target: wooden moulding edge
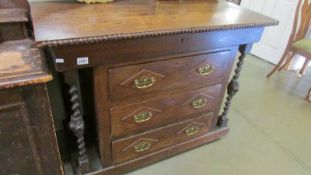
(113, 37)
(20, 81)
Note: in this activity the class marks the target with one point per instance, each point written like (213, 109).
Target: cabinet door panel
(28, 144)
(18, 154)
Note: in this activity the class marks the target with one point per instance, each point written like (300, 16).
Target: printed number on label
(83, 61)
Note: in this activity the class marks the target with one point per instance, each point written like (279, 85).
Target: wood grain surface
(181, 73)
(167, 110)
(70, 20)
(161, 138)
(21, 64)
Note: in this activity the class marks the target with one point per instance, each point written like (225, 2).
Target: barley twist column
(76, 124)
(233, 87)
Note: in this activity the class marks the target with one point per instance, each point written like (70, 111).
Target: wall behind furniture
(274, 39)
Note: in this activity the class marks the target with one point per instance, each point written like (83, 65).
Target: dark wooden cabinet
(28, 144)
(13, 20)
(17, 137)
(28, 140)
(151, 74)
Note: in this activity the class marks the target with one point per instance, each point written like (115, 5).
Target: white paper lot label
(83, 61)
(59, 60)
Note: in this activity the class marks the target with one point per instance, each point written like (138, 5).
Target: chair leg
(304, 67)
(308, 97)
(289, 61)
(280, 63)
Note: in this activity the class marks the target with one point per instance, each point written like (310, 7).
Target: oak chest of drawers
(155, 74)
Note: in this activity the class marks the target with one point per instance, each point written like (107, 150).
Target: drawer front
(138, 117)
(149, 142)
(175, 74)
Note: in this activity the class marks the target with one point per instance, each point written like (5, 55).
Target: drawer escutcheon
(205, 70)
(142, 117)
(199, 103)
(192, 130)
(144, 82)
(144, 146)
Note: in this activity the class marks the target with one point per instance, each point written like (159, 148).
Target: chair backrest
(303, 17)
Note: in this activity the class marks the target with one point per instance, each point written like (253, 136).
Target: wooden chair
(298, 43)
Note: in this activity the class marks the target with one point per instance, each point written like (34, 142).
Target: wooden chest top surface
(54, 21)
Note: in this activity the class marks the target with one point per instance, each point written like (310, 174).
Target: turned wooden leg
(304, 67)
(233, 86)
(289, 62)
(76, 123)
(308, 97)
(281, 63)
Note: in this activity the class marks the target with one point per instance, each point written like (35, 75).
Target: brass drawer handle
(205, 70)
(192, 130)
(199, 103)
(144, 82)
(142, 117)
(144, 146)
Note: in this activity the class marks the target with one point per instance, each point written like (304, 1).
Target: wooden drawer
(149, 142)
(138, 117)
(175, 74)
